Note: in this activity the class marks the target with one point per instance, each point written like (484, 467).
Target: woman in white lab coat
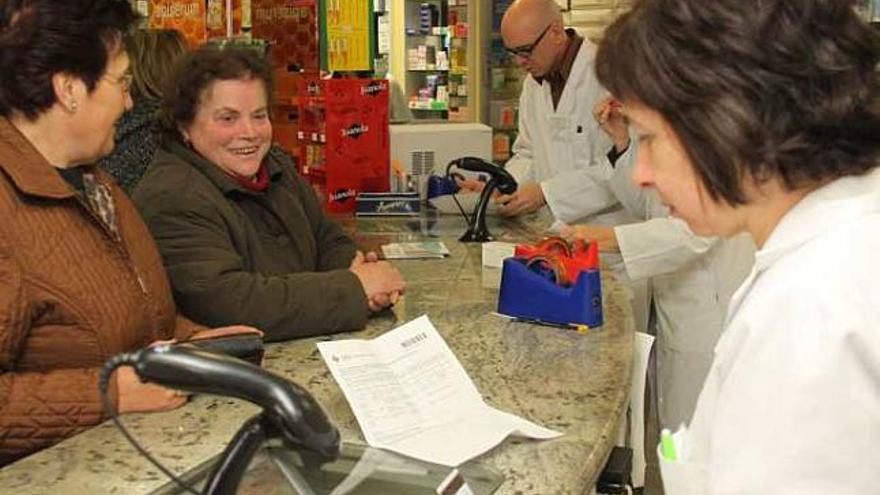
(763, 116)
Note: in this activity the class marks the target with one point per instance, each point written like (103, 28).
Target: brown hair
(760, 88)
(201, 68)
(153, 53)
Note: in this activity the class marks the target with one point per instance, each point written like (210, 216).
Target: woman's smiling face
(231, 127)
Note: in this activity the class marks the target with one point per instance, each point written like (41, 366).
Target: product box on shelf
(388, 204)
(186, 16)
(217, 20)
(501, 142)
(287, 84)
(343, 138)
(291, 27)
(285, 124)
(459, 114)
(346, 35)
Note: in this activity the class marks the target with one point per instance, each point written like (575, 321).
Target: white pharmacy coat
(691, 279)
(564, 149)
(792, 402)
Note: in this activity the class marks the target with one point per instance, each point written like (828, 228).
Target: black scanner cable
(129, 359)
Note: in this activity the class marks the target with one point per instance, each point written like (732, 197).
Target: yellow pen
(578, 327)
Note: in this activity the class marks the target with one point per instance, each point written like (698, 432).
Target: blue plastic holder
(441, 186)
(529, 295)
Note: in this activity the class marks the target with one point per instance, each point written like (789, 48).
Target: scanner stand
(233, 463)
(477, 230)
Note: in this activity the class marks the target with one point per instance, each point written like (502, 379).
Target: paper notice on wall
(410, 395)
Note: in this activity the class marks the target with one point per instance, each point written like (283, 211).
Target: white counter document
(410, 395)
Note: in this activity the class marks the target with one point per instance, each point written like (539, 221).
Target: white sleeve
(578, 193)
(658, 246)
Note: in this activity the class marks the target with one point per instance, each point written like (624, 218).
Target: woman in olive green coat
(242, 236)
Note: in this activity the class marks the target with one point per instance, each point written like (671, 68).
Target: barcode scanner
(505, 182)
(499, 179)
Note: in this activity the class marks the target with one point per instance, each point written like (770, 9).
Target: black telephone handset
(498, 179)
(245, 346)
(289, 411)
(289, 407)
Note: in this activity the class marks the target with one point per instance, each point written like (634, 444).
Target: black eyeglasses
(526, 50)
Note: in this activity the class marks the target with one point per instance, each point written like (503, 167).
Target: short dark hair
(201, 68)
(767, 88)
(40, 38)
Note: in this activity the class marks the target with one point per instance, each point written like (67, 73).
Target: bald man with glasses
(561, 158)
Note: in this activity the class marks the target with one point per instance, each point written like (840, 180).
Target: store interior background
(449, 89)
(439, 84)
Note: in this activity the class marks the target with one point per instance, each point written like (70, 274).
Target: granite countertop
(560, 379)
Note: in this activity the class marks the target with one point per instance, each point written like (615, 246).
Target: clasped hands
(382, 283)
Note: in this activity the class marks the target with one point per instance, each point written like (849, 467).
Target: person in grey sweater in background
(153, 54)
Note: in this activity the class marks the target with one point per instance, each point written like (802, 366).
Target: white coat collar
(829, 207)
(821, 211)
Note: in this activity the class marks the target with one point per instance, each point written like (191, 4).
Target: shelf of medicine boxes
(443, 62)
(505, 85)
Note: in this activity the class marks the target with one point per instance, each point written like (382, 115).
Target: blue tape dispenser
(558, 287)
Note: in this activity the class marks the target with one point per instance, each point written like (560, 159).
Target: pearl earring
(74, 105)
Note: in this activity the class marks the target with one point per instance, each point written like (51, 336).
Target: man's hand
(603, 235)
(607, 113)
(528, 197)
(382, 283)
(470, 185)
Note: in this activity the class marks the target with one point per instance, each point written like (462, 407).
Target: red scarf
(260, 181)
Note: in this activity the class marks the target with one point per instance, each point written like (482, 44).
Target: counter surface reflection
(560, 379)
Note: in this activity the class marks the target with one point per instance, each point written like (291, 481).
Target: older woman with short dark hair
(80, 278)
(763, 116)
(243, 237)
